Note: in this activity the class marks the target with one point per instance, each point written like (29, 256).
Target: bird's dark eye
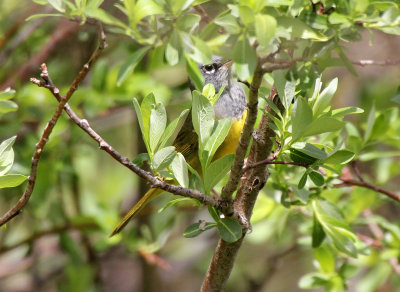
(209, 67)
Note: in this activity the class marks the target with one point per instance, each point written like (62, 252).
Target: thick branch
(16, 209)
(253, 181)
(252, 107)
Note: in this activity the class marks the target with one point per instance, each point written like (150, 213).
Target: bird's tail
(149, 196)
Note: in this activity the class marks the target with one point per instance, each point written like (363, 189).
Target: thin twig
(364, 63)
(377, 242)
(204, 15)
(364, 184)
(53, 230)
(16, 209)
(269, 161)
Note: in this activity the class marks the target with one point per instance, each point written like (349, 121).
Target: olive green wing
(187, 142)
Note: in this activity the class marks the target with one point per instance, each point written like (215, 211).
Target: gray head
(217, 73)
(232, 101)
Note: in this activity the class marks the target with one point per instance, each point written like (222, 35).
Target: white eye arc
(209, 69)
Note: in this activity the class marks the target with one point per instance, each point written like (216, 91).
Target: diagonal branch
(244, 141)
(156, 183)
(367, 185)
(16, 209)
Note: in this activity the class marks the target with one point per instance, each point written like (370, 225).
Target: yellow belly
(232, 139)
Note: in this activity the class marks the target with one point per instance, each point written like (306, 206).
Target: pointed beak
(227, 64)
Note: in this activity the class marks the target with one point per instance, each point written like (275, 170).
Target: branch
(269, 161)
(364, 184)
(53, 230)
(60, 33)
(203, 13)
(254, 180)
(103, 145)
(364, 63)
(16, 209)
(252, 109)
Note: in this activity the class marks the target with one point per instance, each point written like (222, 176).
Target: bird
(231, 104)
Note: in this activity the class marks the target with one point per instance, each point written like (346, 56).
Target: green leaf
(340, 157)
(244, 58)
(163, 157)
(310, 150)
(130, 64)
(324, 99)
(246, 15)
(144, 8)
(172, 129)
(316, 178)
(229, 230)
(57, 5)
(216, 171)
(208, 91)
(173, 48)
(298, 156)
(140, 120)
(315, 281)
(195, 229)
(302, 193)
(214, 213)
(325, 259)
(180, 170)
(202, 116)
(11, 180)
(301, 117)
(176, 201)
(140, 159)
(194, 73)
(229, 23)
(201, 53)
(7, 106)
(40, 15)
(217, 137)
(265, 28)
(299, 29)
(147, 105)
(318, 234)
(158, 122)
(290, 88)
(323, 125)
(339, 232)
(336, 18)
(370, 123)
(188, 22)
(6, 155)
(7, 94)
(341, 112)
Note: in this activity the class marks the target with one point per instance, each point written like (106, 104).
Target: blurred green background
(81, 192)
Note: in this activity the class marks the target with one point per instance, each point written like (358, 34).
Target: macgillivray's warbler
(231, 104)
